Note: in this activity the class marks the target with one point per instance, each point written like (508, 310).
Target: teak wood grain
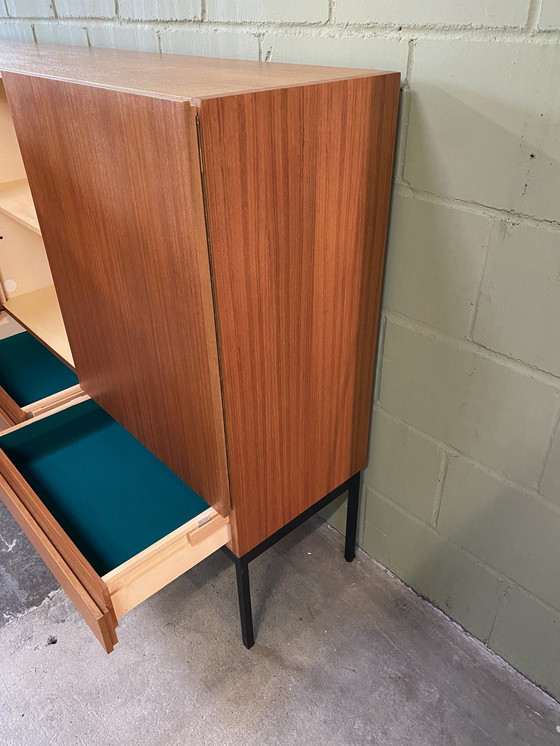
(116, 182)
(174, 76)
(297, 185)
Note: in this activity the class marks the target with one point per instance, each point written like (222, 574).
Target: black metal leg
(244, 594)
(352, 517)
(352, 486)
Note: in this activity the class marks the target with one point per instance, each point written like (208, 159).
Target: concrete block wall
(462, 491)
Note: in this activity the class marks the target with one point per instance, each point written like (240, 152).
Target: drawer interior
(109, 519)
(110, 495)
(30, 372)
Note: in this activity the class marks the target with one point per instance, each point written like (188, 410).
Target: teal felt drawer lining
(111, 495)
(29, 371)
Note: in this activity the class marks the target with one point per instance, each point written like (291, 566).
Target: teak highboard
(202, 241)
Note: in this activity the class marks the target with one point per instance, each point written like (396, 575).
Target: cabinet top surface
(173, 76)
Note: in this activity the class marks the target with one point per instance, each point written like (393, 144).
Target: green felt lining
(110, 494)
(29, 371)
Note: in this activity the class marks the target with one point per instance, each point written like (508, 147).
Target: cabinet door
(116, 182)
(297, 199)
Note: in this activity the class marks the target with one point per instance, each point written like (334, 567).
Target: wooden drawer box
(32, 379)
(112, 523)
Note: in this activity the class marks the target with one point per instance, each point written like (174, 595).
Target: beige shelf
(17, 203)
(39, 312)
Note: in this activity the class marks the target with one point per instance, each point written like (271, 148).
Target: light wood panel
(161, 563)
(130, 263)
(54, 401)
(174, 76)
(22, 257)
(297, 184)
(39, 312)
(16, 201)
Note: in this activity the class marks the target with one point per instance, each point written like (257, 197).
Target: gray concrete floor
(345, 654)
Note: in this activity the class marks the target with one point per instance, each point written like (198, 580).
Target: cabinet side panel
(298, 185)
(116, 182)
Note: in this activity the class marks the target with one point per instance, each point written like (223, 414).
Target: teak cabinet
(214, 233)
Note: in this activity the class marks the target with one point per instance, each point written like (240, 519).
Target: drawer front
(84, 588)
(101, 600)
(10, 411)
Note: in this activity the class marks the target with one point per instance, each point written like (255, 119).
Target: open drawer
(109, 519)
(32, 379)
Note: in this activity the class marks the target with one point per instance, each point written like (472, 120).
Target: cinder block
(456, 583)
(123, 36)
(520, 299)
(16, 31)
(527, 635)
(85, 8)
(550, 15)
(372, 53)
(550, 482)
(160, 10)
(434, 262)
(61, 33)
(228, 44)
(289, 11)
(513, 532)
(489, 411)
(30, 8)
(403, 465)
(484, 126)
(439, 12)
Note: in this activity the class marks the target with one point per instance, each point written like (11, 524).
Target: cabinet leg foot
(244, 595)
(352, 487)
(352, 517)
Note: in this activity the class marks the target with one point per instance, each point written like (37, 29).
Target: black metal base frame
(352, 486)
